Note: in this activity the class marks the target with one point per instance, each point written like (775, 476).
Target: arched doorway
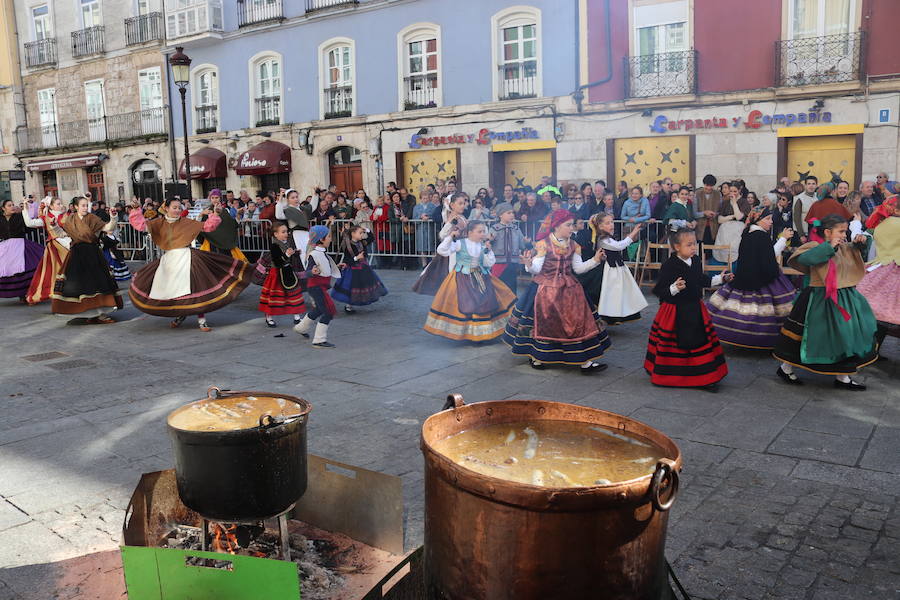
(345, 169)
(145, 180)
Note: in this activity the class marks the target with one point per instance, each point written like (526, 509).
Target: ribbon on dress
(831, 288)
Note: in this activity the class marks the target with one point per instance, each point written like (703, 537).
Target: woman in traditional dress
(223, 239)
(831, 329)
(552, 322)
(56, 249)
(471, 304)
(358, 285)
(184, 281)
(731, 225)
(881, 284)
(289, 210)
(85, 285)
(19, 257)
(749, 311)
(432, 277)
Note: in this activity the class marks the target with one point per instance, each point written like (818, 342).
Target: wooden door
(95, 184)
(347, 178)
(421, 167)
(524, 168)
(822, 156)
(638, 161)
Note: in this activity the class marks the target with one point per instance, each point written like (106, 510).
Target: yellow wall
(526, 167)
(422, 167)
(642, 160)
(821, 156)
(9, 66)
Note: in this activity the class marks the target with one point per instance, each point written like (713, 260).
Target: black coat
(757, 265)
(14, 227)
(690, 330)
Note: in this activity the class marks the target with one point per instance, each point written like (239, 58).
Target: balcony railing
(421, 91)
(518, 80)
(86, 42)
(268, 111)
(143, 28)
(259, 11)
(124, 126)
(207, 118)
(194, 17)
(666, 74)
(338, 102)
(312, 5)
(40, 53)
(818, 60)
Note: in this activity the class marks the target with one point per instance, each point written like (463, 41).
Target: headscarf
(552, 221)
(317, 233)
(215, 192)
(758, 215)
(885, 210)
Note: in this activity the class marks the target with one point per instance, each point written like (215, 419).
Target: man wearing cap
(508, 243)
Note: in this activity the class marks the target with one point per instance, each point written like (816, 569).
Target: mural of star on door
(427, 166)
(641, 160)
(823, 156)
(524, 168)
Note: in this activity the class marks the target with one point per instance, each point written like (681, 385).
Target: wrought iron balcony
(124, 126)
(666, 74)
(268, 111)
(86, 42)
(40, 53)
(818, 60)
(193, 17)
(421, 91)
(207, 118)
(313, 5)
(259, 11)
(143, 28)
(518, 80)
(338, 102)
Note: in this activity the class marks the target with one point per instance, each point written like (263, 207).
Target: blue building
(302, 93)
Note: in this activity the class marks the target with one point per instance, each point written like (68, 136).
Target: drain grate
(44, 356)
(71, 364)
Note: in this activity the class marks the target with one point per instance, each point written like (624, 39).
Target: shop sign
(483, 137)
(755, 119)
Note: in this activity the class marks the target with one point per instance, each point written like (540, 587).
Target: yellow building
(10, 89)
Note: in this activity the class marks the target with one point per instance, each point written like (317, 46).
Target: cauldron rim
(305, 405)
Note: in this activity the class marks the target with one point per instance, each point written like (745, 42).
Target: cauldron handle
(454, 401)
(664, 468)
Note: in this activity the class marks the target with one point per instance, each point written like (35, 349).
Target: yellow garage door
(641, 160)
(526, 167)
(823, 156)
(427, 166)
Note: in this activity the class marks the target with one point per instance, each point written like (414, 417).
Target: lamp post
(181, 73)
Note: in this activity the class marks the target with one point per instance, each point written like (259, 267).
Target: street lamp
(181, 73)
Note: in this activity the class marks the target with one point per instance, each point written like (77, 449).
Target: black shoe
(537, 365)
(270, 323)
(594, 368)
(348, 310)
(297, 320)
(712, 388)
(323, 345)
(850, 385)
(789, 378)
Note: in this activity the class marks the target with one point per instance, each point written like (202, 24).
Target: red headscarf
(553, 220)
(881, 213)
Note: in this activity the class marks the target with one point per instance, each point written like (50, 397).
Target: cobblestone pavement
(788, 492)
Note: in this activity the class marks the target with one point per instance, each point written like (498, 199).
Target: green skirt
(816, 337)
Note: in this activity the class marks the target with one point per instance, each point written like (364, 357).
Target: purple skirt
(16, 285)
(752, 318)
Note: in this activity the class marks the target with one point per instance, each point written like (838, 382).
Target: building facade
(93, 96)
(11, 109)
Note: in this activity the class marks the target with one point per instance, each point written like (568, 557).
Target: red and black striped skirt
(672, 366)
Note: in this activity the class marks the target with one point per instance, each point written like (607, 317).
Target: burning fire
(225, 539)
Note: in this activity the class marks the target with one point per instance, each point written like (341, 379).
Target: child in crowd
(109, 243)
(281, 292)
(471, 304)
(683, 349)
(358, 285)
(831, 329)
(553, 323)
(321, 272)
(620, 297)
(509, 243)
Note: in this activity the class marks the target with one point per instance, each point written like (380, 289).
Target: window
(191, 17)
(517, 53)
(817, 18)
(662, 60)
(150, 89)
(419, 51)
(143, 7)
(206, 99)
(90, 13)
(266, 78)
(338, 75)
(47, 112)
(40, 16)
(96, 112)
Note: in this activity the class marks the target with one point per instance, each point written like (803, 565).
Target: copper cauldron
(491, 539)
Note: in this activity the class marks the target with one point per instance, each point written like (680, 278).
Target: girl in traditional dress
(731, 225)
(185, 281)
(358, 285)
(749, 311)
(19, 258)
(281, 292)
(471, 304)
(881, 284)
(831, 329)
(114, 257)
(683, 349)
(85, 285)
(321, 271)
(432, 277)
(552, 323)
(56, 249)
(222, 239)
(620, 297)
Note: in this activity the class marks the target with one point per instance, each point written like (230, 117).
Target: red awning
(205, 164)
(71, 162)
(264, 159)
